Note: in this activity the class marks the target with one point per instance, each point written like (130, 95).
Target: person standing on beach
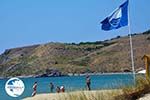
(34, 89)
(88, 82)
(51, 87)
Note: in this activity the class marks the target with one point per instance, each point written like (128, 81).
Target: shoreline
(70, 75)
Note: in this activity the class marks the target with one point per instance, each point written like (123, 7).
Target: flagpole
(131, 46)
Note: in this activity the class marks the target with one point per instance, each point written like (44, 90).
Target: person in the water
(88, 82)
(51, 87)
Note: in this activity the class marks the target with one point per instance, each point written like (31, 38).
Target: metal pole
(131, 47)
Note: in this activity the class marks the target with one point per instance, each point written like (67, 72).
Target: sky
(29, 22)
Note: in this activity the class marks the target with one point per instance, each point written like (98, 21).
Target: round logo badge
(14, 87)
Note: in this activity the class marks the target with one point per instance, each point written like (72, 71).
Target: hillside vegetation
(86, 57)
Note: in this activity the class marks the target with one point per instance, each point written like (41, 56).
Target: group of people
(61, 88)
(58, 89)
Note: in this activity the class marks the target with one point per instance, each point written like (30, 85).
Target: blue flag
(117, 19)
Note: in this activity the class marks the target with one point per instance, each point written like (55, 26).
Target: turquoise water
(72, 83)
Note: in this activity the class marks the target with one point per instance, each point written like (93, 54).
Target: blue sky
(28, 22)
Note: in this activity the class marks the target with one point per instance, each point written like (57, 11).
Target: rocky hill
(62, 58)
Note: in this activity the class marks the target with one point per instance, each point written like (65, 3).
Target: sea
(71, 83)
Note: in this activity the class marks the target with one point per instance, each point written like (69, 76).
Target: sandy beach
(145, 97)
(77, 95)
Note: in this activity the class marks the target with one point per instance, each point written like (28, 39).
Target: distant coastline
(70, 74)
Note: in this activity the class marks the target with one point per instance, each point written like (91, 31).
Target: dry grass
(141, 88)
